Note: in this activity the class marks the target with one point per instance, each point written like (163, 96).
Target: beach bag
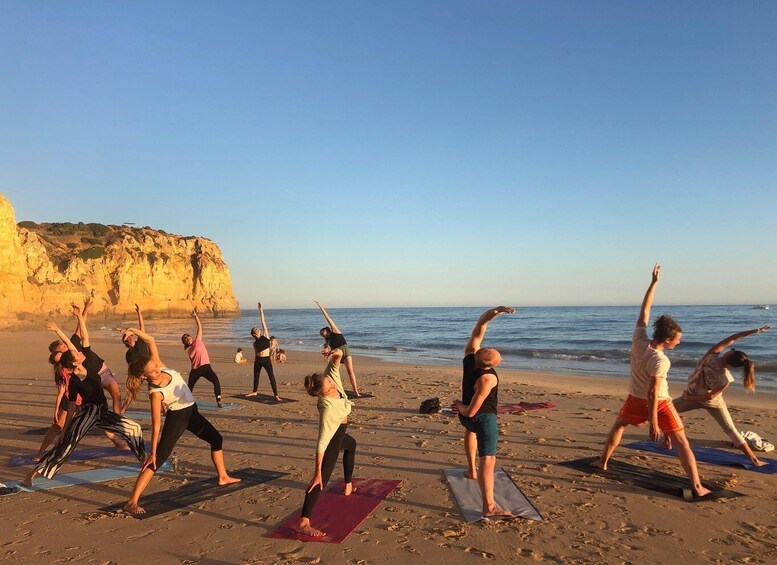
(430, 406)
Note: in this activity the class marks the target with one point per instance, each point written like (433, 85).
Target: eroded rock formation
(45, 267)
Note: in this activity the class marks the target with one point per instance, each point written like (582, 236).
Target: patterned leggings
(85, 418)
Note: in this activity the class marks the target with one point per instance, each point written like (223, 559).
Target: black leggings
(207, 373)
(341, 441)
(176, 422)
(265, 362)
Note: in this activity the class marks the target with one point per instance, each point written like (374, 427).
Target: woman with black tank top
(83, 371)
(168, 393)
(335, 340)
(262, 359)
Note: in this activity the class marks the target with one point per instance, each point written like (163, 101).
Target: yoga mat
(338, 515)
(711, 455)
(196, 492)
(645, 478)
(202, 405)
(524, 407)
(264, 399)
(82, 478)
(507, 495)
(86, 454)
(352, 395)
(42, 431)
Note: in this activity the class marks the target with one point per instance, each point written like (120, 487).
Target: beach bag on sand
(430, 406)
(756, 442)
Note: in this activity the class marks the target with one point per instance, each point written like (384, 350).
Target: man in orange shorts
(649, 399)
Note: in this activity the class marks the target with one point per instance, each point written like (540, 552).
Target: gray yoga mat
(202, 405)
(81, 478)
(506, 495)
(85, 454)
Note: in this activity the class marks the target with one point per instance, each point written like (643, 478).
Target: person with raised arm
(477, 411)
(198, 355)
(708, 381)
(81, 370)
(262, 358)
(649, 399)
(168, 392)
(335, 340)
(136, 348)
(333, 409)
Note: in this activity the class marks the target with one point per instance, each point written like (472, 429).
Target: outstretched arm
(51, 326)
(480, 328)
(329, 320)
(647, 302)
(334, 357)
(199, 324)
(721, 345)
(148, 340)
(141, 325)
(82, 331)
(264, 324)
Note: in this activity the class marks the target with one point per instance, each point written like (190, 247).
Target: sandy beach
(587, 519)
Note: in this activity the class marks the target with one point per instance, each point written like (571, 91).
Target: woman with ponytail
(708, 381)
(169, 392)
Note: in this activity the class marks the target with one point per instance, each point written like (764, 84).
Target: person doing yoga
(333, 409)
(477, 411)
(81, 372)
(649, 399)
(198, 355)
(136, 348)
(262, 359)
(335, 340)
(168, 392)
(708, 381)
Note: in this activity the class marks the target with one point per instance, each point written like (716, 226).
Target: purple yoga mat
(338, 515)
(524, 407)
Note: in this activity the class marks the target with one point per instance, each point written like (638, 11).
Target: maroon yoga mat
(338, 515)
(524, 407)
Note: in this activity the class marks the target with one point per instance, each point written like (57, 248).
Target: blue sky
(411, 153)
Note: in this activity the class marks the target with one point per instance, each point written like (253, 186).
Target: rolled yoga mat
(711, 455)
(338, 515)
(507, 495)
(645, 478)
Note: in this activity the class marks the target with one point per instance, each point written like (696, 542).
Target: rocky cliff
(45, 267)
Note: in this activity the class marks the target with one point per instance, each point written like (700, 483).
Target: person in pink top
(198, 355)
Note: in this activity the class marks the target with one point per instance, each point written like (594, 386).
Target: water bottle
(174, 462)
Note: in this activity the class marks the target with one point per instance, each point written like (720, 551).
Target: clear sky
(411, 153)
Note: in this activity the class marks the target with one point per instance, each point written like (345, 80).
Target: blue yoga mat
(711, 455)
(81, 478)
(203, 405)
(80, 455)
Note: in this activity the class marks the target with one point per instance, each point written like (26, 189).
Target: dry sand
(587, 519)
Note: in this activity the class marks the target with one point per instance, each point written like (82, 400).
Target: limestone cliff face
(45, 267)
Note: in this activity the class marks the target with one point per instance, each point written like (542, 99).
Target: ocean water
(575, 340)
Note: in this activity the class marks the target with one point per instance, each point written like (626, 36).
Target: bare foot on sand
(133, 509)
(666, 444)
(223, 481)
(469, 475)
(278, 399)
(251, 394)
(599, 465)
(759, 463)
(309, 530)
(497, 512)
(349, 489)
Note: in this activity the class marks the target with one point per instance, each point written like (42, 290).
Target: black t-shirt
(137, 351)
(334, 340)
(261, 343)
(90, 388)
(78, 344)
(470, 376)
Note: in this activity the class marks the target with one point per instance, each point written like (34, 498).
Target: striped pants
(85, 418)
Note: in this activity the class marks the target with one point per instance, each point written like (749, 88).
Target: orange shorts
(635, 411)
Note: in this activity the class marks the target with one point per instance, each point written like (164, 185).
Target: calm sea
(579, 340)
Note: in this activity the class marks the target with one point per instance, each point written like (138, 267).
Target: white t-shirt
(239, 357)
(710, 374)
(647, 364)
(176, 395)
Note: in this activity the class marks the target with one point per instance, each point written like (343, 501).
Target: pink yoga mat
(524, 407)
(338, 515)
